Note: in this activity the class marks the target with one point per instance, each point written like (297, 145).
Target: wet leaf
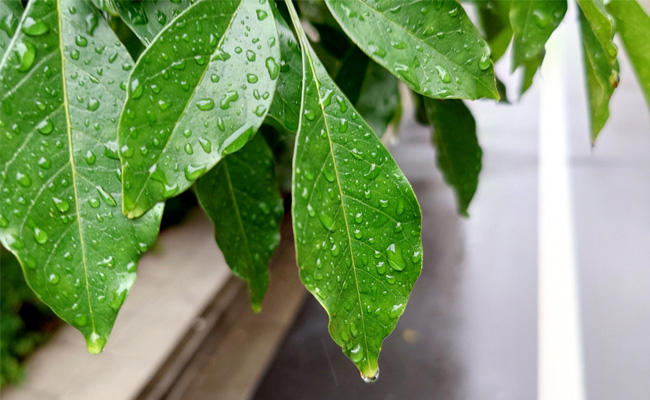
(494, 16)
(457, 150)
(356, 219)
(432, 46)
(633, 26)
(10, 13)
(285, 109)
(373, 90)
(601, 65)
(198, 92)
(533, 22)
(241, 197)
(147, 18)
(530, 68)
(62, 91)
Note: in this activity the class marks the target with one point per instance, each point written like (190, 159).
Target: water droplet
(260, 110)
(81, 41)
(443, 74)
(358, 218)
(205, 104)
(261, 15)
(40, 236)
(188, 149)
(45, 126)
(136, 89)
(394, 255)
(53, 278)
(90, 157)
(370, 379)
(356, 354)
(250, 55)
(326, 220)
(34, 27)
(61, 205)
(25, 53)
(400, 206)
(81, 320)
(252, 78)
(273, 67)
(74, 54)
(192, 172)
(106, 197)
(23, 179)
(484, 62)
(206, 145)
(229, 97)
(94, 203)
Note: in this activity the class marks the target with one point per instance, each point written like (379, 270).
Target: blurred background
(544, 292)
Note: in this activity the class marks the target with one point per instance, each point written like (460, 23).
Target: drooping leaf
(419, 42)
(457, 150)
(147, 18)
(533, 22)
(494, 16)
(285, 109)
(62, 91)
(355, 217)
(10, 12)
(198, 92)
(601, 64)
(373, 90)
(633, 26)
(241, 197)
(530, 68)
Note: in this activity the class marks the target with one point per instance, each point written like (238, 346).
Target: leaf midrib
(338, 182)
(72, 163)
(475, 77)
(180, 115)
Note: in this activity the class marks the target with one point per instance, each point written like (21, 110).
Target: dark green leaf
(109, 6)
(533, 22)
(355, 217)
(373, 90)
(633, 26)
(199, 91)
(63, 88)
(147, 18)
(10, 12)
(601, 66)
(494, 16)
(285, 109)
(457, 149)
(241, 197)
(430, 45)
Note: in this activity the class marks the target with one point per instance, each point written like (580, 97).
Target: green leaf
(147, 18)
(10, 12)
(533, 22)
(355, 217)
(109, 6)
(457, 150)
(601, 66)
(530, 68)
(373, 90)
(285, 109)
(633, 25)
(198, 92)
(495, 22)
(420, 42)
(62, 82)
(241, 197)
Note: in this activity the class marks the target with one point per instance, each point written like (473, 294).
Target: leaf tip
(95, 343)
(370, 376)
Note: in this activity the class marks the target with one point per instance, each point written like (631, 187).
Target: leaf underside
(356, 219)
(432, 46)
(62, 83)
(198, 92)
(241, 197)
(457, 150)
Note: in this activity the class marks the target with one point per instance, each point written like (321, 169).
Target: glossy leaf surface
(199, 92)
(147, 18)
(432, 46)
(373, 90)
(601, 66)
(457, 150)
(355, 217)
(633, 26)
(494, 16)
(533, 22)
(10, 13)
(285, 109)
(62, 84)
(241, 197)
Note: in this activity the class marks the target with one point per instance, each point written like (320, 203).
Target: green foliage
(25, 322)
(225, 96)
